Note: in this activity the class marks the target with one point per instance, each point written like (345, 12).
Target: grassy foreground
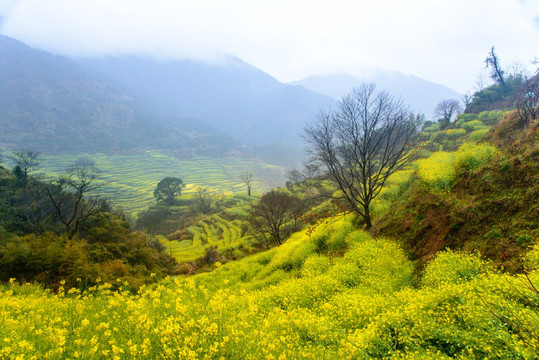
(333, 294)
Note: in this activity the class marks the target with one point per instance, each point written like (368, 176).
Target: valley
(184, 209)
(128, 181)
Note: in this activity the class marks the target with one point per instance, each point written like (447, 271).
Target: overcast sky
(441, 41)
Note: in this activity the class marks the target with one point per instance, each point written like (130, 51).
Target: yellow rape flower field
(334, 294)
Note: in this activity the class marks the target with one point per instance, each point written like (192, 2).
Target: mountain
(234, 96)
(54, 104)
(420, 94)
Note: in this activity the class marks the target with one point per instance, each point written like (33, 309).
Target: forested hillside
(235, 97)
(56, 105)
(59, 232)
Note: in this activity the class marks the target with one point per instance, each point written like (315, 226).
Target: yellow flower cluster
(303, 300)
(470, 156)
(440, 169)
(454, 133)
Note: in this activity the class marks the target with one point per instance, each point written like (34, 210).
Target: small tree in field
(247, 178)
(167, 189)
(274, 218)
(368, 137)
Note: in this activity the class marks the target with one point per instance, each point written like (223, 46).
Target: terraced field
(211, 231)
(129, 180)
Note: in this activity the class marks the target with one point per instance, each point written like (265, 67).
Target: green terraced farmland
(129, 180)
(211, 231)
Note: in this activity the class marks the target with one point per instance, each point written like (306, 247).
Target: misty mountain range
(126, 103)
(237, 98)
(55, 105)
(421, 95)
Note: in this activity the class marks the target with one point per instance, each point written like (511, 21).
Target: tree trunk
(367, 216)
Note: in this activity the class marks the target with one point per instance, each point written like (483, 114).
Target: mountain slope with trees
(55, 105)
(234, 96)
(448, 269)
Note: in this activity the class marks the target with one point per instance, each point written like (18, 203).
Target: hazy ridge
(421, 95)
(239, 99)
(56, 105)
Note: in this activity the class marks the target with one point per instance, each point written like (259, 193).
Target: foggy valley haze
(443, 42)
(188, 105)
(237, 78)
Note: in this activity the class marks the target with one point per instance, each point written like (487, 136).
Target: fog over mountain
(421, 95)
(122, 103)
(54, 104)
(241, 100)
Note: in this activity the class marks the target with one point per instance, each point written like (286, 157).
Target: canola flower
(297, 301)
(439, 170)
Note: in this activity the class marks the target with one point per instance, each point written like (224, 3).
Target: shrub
(454, 133)
(378, 265)
(524, 239)
(471, 156)
(477, 135)
(315, 265)
(491, 117)
(532, 258)
(466, 117)
(472, 125)
(337, 241)
(450, 267)
(438, 170)
(493, 234)
(432, 128)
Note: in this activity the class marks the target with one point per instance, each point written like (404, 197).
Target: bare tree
(310, 170)
(446, 110)
(517, 69)
(368, 137)
(481, 82)
(466, 99)
(25, 160)
(528, 101)
(33, 208)
(493, 63)
(274, 218)
(294, 176)
(71, 197)
(36, 208)
(202, 201)
(247, 178)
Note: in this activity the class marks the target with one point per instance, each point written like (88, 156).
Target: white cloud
(440, 41)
